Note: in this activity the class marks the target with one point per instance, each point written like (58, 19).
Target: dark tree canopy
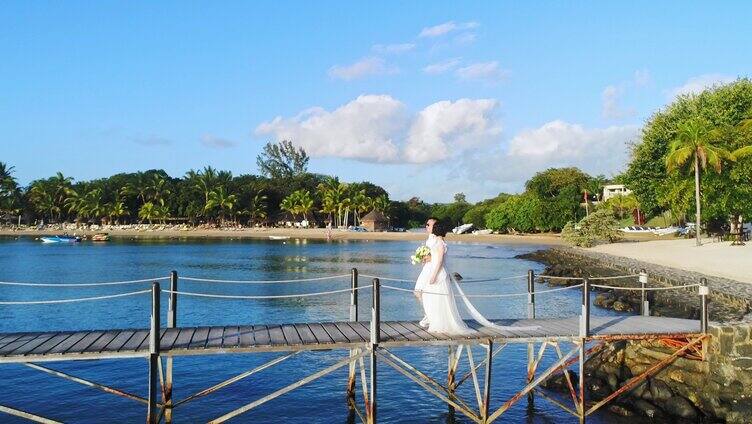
(282, 160)
(723, 194)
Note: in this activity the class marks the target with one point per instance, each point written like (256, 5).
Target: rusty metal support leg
(478, 365)
(532, 385)
(353, 318)
(422, 376)
(152, 415)
(27, 415)
(581, 404)
(236, 378)
(450, 375)
(487, 386)
(454, 402)
(567, 377)
(151, 412)
(286, 389)
(172, 315)
(87, 382)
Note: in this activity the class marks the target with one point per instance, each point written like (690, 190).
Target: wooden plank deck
(72, 345)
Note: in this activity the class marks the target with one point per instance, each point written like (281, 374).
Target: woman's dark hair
(440, 229)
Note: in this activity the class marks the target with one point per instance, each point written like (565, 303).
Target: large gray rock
(648, 409)
(680, 407)
(659, 391)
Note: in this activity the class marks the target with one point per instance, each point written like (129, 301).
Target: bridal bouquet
(420, 253)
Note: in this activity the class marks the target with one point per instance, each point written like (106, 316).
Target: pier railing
(161, 381)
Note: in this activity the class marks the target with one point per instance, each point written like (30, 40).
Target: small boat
(60, 239)
(100, 237)
(462, 229)
(482, 232)
(279, 237)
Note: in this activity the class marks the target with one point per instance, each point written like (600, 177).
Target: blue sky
(423, 98)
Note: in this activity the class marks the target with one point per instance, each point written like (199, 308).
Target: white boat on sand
(279, 237)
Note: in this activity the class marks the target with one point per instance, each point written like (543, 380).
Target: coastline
(295, 233)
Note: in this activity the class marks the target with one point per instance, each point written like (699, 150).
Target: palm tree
(138, 188)
(288, 204)
(117, 210)
(304, 203)
(204, 181)
(157, 187)
(8, 188)
(257, 208)
(381, 204)
(695, 142)
(221, 200)
(61, 184)
(148, 212)
(360, 203)
(621, 203)
(42, 196)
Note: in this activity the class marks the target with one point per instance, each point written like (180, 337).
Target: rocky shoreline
(718, 389)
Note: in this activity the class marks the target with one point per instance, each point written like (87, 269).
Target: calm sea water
(323, 401)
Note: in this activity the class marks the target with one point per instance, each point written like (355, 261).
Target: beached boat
(279, 237)
(482, 232)
(60, 239)
(100, 237)
(462, 229)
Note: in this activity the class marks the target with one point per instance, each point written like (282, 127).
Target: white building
(612, 190)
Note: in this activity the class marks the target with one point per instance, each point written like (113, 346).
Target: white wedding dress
(439, 298)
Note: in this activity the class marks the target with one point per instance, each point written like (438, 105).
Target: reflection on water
(321, 401)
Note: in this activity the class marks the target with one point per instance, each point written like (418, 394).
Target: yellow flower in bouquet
(420, 253)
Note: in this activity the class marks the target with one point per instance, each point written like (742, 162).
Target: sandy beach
(312, 233)
(721, 259)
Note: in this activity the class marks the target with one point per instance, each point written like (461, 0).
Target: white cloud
(699, 83)
(366, 128)
(466, 38)
(378, 128)
(442, 67)
(152, 141)
(445, 28)
(554, 144)
(489, 72)
(214, 142)
(611, 109)
(362, 68)
(642, 77)
(445, 128)
(393, 48)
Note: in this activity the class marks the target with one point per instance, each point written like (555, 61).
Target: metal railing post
(375, 339)
(354, 294)
(152, 414)
(172, 321)
(585, 315)
(353, 318)
(530, 346)
(487, 387)
(644, 303)
(704, 292)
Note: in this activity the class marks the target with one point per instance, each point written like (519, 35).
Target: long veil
(478, 316)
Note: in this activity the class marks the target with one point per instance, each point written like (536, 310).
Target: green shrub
(599, 225)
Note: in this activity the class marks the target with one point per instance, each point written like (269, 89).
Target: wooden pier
(581, 335)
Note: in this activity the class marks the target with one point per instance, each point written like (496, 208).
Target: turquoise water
(323, 401)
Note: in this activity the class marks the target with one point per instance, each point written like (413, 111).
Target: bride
(435, 289)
